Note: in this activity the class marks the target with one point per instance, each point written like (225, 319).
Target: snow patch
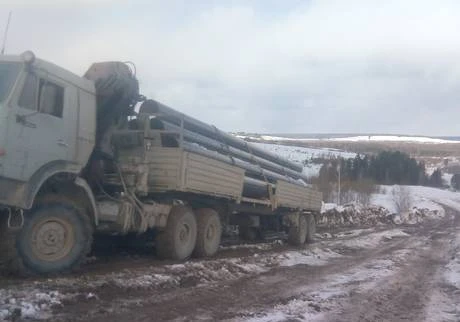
(28, 303)
(421, 197)
(314, 257)
(452, 270)
(314, 305)
(371, 240)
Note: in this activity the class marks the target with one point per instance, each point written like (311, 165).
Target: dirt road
(384, 273)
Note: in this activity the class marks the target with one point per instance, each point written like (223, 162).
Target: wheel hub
(184, 233)
(52, 239)
(210, 232)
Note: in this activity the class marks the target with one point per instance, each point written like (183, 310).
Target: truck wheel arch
(75, 187)
(43, 175)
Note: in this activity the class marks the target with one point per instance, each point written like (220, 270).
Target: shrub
(402, 199)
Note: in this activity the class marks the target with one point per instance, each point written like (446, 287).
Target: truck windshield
(8, 74)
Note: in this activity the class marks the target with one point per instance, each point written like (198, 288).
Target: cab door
(42, 124)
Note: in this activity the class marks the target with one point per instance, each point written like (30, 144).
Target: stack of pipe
(263, 168)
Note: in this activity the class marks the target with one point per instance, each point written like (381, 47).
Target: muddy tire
(311, 229)
(55, 238)
(298, 233)
(178, 240)
(209, 232)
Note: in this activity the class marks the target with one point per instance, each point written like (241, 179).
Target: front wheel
(54, 238)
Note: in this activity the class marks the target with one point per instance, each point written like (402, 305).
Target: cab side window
(42, 95)
(51, 98)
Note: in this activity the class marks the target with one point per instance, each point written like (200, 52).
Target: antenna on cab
(5, 35)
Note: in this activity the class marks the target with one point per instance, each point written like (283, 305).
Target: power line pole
(5, 35)
(338, 188)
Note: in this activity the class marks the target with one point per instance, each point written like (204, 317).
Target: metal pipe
(168, 114)
(257, 189)
(251, 169)
(225, 149)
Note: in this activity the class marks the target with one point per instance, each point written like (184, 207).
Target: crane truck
(89, 155)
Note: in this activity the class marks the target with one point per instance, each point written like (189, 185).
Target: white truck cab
(47, 125)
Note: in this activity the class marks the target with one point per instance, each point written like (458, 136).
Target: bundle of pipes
(262, 167)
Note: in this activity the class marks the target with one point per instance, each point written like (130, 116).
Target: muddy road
(382, 273)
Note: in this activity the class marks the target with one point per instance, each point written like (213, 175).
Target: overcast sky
(286, 66)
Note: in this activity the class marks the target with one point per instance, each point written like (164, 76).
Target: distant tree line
(387, 167)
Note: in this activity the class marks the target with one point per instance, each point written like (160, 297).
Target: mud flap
(9, 259)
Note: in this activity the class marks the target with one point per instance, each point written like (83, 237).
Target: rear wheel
(178, 240)
(311, 229)
(209, 232)
(55, 238)
(298, 232)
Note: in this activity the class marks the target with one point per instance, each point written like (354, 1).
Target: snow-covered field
(360, 138)
(394, 138)
(421, 197)
(302, 155)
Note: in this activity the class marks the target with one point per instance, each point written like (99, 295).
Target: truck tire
(311, 229)
(298, 233)
(55, 238)
(209, 232)
(178, 240)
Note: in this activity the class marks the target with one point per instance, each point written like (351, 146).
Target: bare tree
(402, 198)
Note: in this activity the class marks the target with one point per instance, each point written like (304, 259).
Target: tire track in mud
(405, 295)
(236, 299)
(224, 300)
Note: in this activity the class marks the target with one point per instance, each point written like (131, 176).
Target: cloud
(316, 66)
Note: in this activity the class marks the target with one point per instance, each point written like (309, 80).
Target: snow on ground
(446, 178)
(30, 302)
(279, 138)
(311, 170)
(424, 203)
(443, 305)
(393, 138)
(314, 256)
(36, 299)
(359, 138)
(357, 215)
(300, 154)
(371, 240)
(421, 197)
(313, 305)
(452, 270)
